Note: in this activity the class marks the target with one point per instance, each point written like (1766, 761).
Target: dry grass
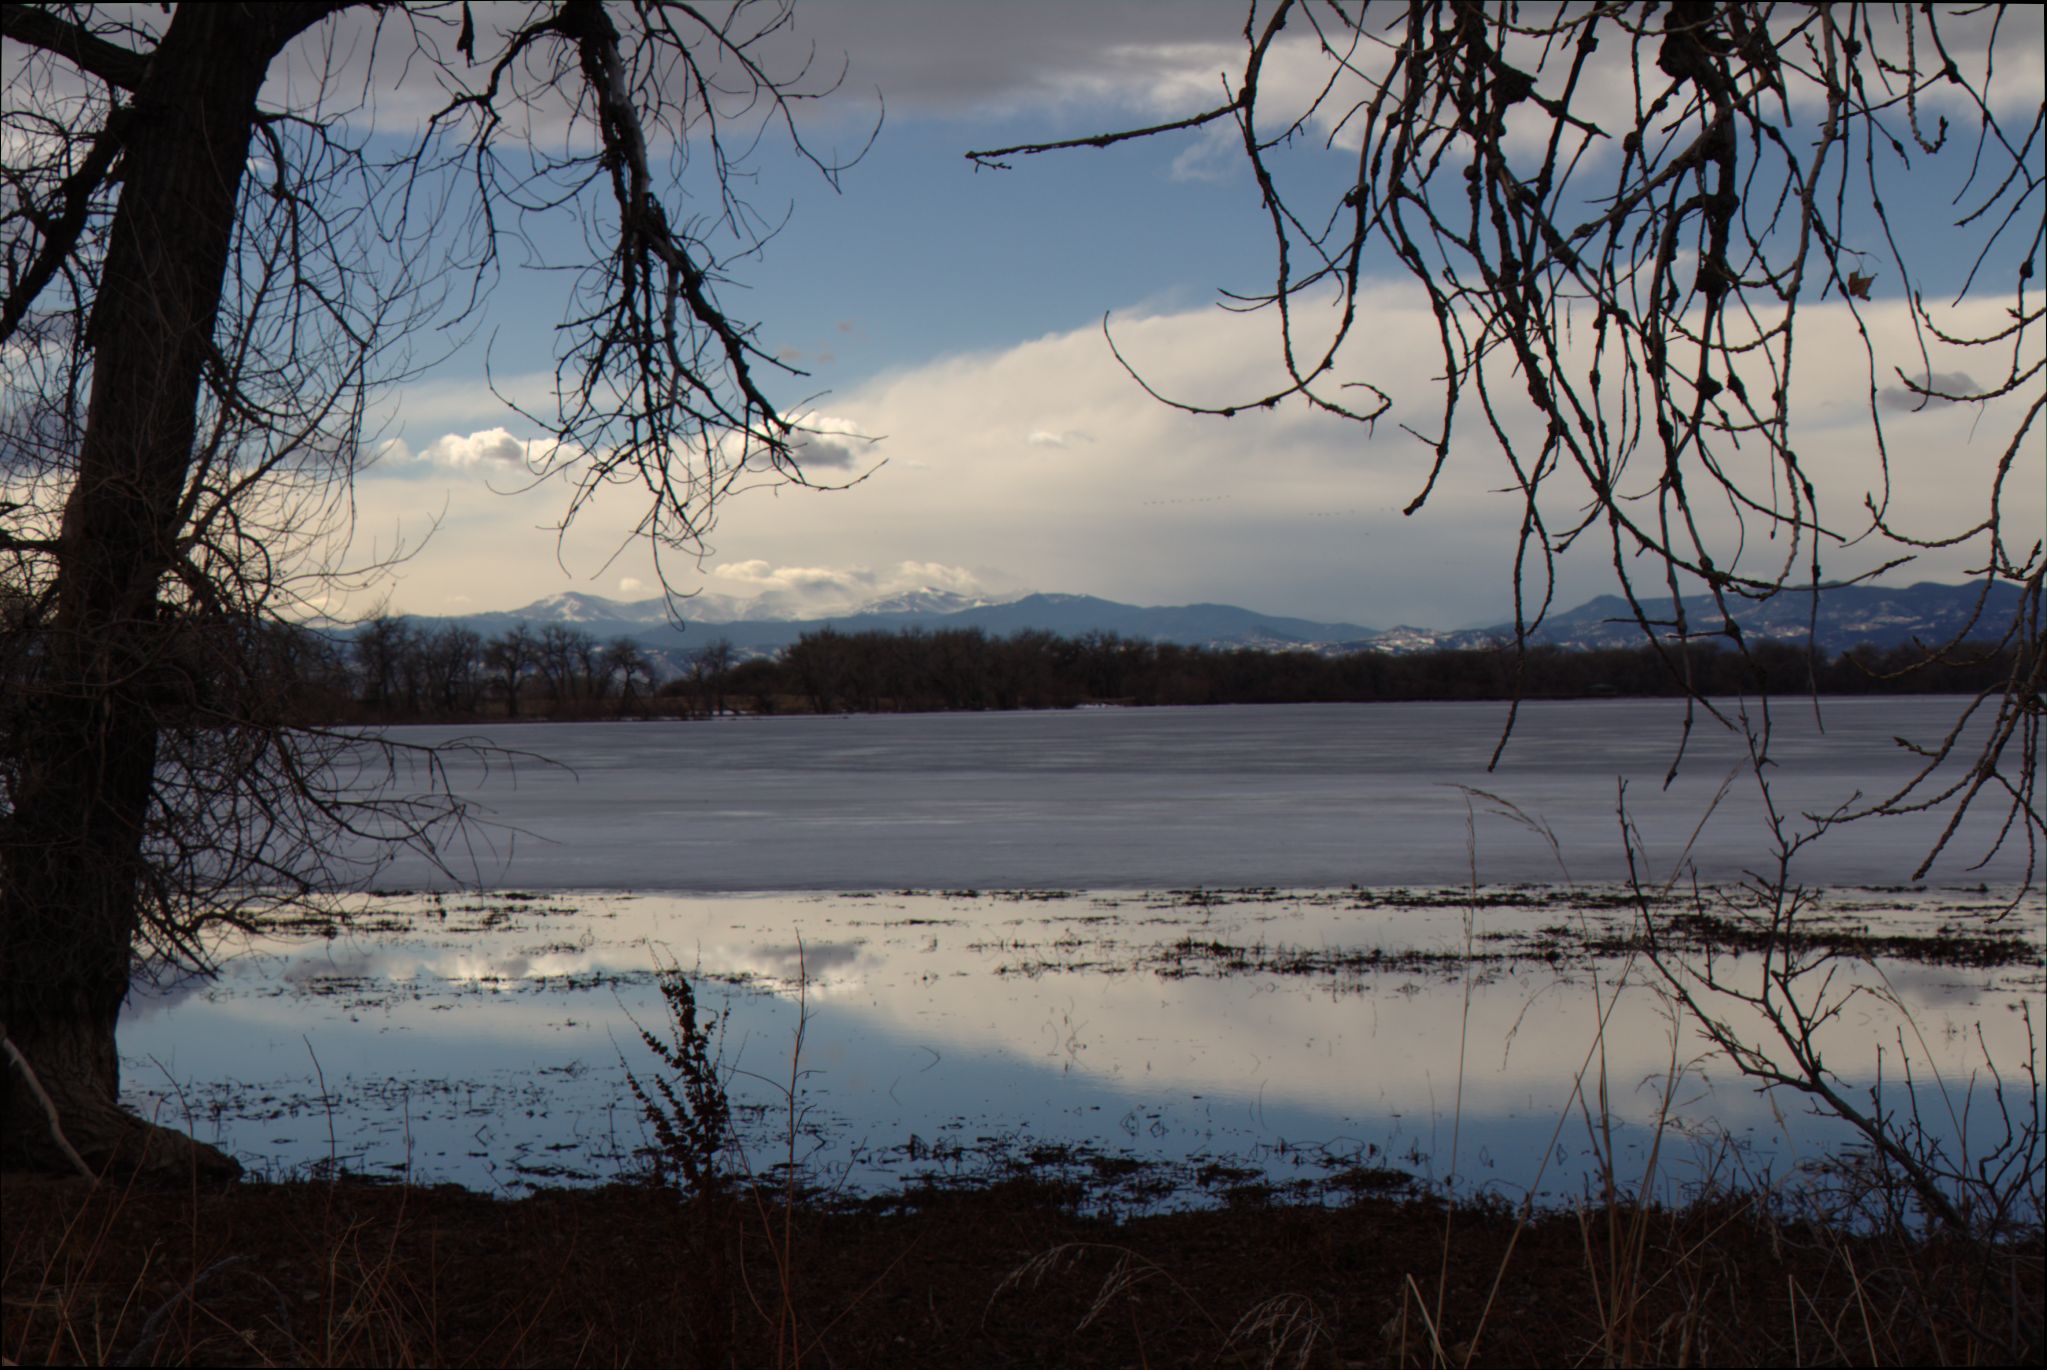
(356, 1274)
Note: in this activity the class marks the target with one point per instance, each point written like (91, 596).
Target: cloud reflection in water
(487, 1052)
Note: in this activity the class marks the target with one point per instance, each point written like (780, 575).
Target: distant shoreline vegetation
(393, 672)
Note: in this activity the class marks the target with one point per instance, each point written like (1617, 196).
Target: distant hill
(1845, 616)
(765, 624)
(1838, 617)
(1191, 625)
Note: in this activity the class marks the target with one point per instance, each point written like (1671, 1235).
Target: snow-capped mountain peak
(929, 599)
(574, 606)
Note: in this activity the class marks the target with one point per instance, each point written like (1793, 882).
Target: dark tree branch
(60, 234)
(35, 26)
(1627, 328)
(992, 157)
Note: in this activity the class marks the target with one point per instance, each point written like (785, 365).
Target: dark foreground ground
(356, 1274)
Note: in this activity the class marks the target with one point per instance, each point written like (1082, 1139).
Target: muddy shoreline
(1972, 926)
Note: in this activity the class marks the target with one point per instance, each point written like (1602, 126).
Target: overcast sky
(956, 318)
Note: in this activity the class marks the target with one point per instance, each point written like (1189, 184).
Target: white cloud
(487, 450)
(1301, 512)
(1215, 154)
(903, 575)
(492, 446)
(810, 591)
(1285, 510)
(744, 571)
(628, 585)
(832, 442)
(770, 577)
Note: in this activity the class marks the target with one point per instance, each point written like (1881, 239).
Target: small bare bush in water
(1766, 1013)
(1946, 1174)
(685, 1105)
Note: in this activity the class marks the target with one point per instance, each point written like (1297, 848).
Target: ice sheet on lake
(1292, 795)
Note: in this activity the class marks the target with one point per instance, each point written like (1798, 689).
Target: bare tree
(454, 661)
(385, 648)
(625, 659)
(512, 658)
(559, 654)
(204, 286)
(1625, 221)
(708, 667)
(590, 667)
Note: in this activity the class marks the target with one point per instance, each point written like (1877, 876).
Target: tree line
(953, 669)
(394, 670)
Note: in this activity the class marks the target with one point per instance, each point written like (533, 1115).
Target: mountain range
(1837, 617)
(1843, 617)
(755, 627)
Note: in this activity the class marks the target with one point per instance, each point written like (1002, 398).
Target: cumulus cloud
(628, 585)
(486, 451)
(829, 441)
(491, 447)
(768, 576)
(1045, 437)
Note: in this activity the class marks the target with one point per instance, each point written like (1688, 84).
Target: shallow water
(1167, 1046)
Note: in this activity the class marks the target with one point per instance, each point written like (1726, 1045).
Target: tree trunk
(75, 875)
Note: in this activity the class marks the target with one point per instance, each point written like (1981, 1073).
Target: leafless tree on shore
(213, 258)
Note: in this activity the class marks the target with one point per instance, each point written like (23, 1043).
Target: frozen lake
(1015, 936)
(1288, 795)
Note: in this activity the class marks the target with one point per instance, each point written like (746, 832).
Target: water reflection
(1253, 1037)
